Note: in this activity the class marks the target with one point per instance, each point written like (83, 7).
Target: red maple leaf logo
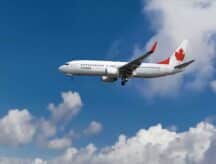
(180, 55)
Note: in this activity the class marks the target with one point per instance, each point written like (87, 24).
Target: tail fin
(178, 56)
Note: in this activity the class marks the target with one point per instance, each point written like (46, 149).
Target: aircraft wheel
(123, 83)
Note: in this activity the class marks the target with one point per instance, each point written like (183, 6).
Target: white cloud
(59, 143)
(73, 155)
(17, 127)
(47, 128)
(39, 161)
(174, 21)
(61, 114)
(152, 146)
(69, 108)
(20, 127)
(93, 128)
(213, 85)
(155, 145)
(5, 160)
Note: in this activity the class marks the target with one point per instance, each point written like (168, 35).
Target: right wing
(127, 69)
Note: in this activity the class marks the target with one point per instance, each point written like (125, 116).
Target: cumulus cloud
(213, 85)
(69, 108)
(174, 21)
(73, 155)
(59, 143)
(17, 127)
(60, 115)
(151, 146)
(93, 128)
(155, 145)
(47, 128)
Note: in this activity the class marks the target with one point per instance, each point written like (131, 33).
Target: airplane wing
(127, 69)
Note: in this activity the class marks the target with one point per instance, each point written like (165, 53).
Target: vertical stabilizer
(178, 56)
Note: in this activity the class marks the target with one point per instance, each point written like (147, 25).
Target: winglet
(154, 47)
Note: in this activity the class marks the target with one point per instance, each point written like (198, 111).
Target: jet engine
(108, 79)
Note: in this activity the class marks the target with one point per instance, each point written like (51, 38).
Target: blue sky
(36, 37)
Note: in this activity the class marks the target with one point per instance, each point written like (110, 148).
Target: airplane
(111, 71)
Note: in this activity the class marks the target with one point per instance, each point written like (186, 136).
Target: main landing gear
(124, 81)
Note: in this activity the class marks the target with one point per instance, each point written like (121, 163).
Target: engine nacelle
(108, 79)
(112, 72)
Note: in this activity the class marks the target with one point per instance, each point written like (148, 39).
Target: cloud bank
(155, 145)
(151, 146)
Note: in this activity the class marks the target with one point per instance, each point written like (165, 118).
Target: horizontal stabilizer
(180, 66)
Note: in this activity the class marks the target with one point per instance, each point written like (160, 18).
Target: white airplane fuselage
(110, 69)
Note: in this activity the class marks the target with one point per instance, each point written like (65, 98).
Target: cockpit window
(67, 63)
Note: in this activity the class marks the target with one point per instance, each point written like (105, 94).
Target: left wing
(127, 69)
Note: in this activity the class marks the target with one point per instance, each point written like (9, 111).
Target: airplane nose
(62, 68)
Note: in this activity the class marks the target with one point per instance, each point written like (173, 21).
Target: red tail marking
(180, 55)
(166, 61)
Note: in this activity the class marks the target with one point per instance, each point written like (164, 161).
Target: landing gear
(124, 81)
